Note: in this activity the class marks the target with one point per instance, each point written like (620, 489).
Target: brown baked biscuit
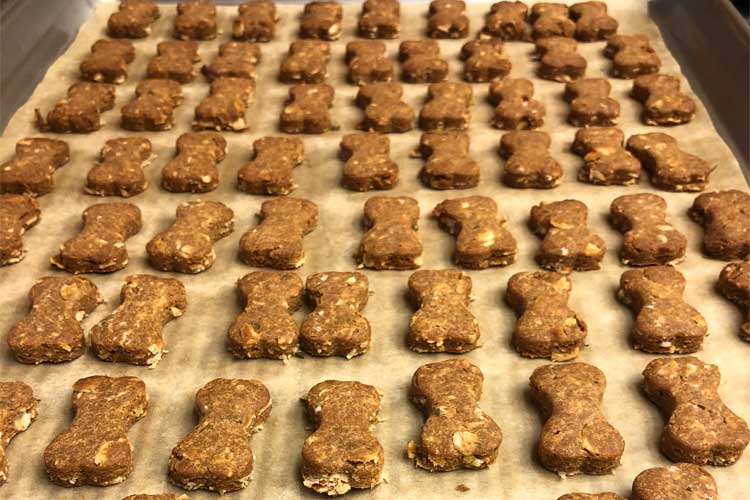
(17, 214)
(576, 437)
(391, 240)
(448, 107)
(256, 21)
(701, 429)
(196, 20)
(605, 160)
(591, 496)
(421, 61)
(551, 20)
(592, 21)
(216, 454)
(734, 284)
(336, 326)
(724, 216)
(528, 163)
(515, 107)
(368, 162)
(187, 246)
(152, 108)
(507, 21)
(31, 169)
(664, 323)
(167, 89)
(683, 481)
(162, 496)
(306, 62)
(482, 240)
(226, 105)
(670, 167)
(18, 409)
(559, 60)
(648, 239)
(568, 243)
(266, 328)
(484, 60)
(322, 20)
(80, 112)
(546, 326)
(95, 449)
(448, 164)
(194, 169)
(457, 434)
(308, 109)
(343, 452)
(276, 241)
(100, 245)
(119, 171)
(235, 60)
(51, 331)
(108, 61)
(380, 19)
(271, 169)
(590, 104)
(133, 332)
(447, 19)
(175, 60)
(368, 62)
(443, 321)
(384, 110)
(663, 102)
(133, 19)
(632, 55)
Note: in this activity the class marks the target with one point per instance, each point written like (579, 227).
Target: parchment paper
(196, 341)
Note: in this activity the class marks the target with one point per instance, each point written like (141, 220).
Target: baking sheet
(196, 341)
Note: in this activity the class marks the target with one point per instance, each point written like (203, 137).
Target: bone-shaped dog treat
(306, 62)
(576, 438)
(482, 240)
(119, 171)
(271, 170)
(391, 240)
(648, 239)
(162, 496)
(734, 284)
(226, 105)
(368, 162)
(590, 104)
(17, 214)
(592, 21)
(153, 107)
(447, 161)
(568, 243)
(724, 217)
(187, 246)
(447, 19)
(683, 481)
(551, 20)
(507, 21)
(664, 323)
(515, 107)
(546, 326)
(559, 60)
(484, 60)
(367, 62)
(108, 61)
(266, 328)
(100, 246)
(307, 110)
(591, 496)
(528, 163)
(384, 111)
(31, 169)
(216, 454)
(256, 21)
(51, 331)
(701, 429)
(18, 409)
(632, 55)
(605, 160)
(380, 19)
(80, 112)
(133, 19)
(336, 326)
(421, 61)
(235, 59)
(194, 169)
(663, 102)
(457, 433)
(95, 449)
(670, 167)
(174, 60)
(276, 242)
(343, 452)
(443, 321)
(448, 107)
(322, 20)
(133, 332)
(195, 20)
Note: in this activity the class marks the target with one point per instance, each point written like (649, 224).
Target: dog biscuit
(308, 109)
(507, 21)
(421, 61)
(380, 19)
(391, 240)
(724, 217)
(196, 20)
(384, 110)
(368, 164)
(108, 61)
(551, 20)
(194, 169)
(683, 481)
(447, 19)
(734, 284)
(590, 104)
(234, 60)
(18, 409)
(670, 167)
(271, 170)
(448, 164)
(174, 60)
(17, 214)
(448, 107)
(322, 20)
(153, 107)
(632, 56)
(559, 60)
(605, 160)
(528, 163)
(592, 22)
(663, 102)
(31, 169)
(515, 107)
(226, 105)
(484, 60)
(133, 19)
(256, 21)
(119, 171)
(367, 61)
(306, 62)
(80, 112)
